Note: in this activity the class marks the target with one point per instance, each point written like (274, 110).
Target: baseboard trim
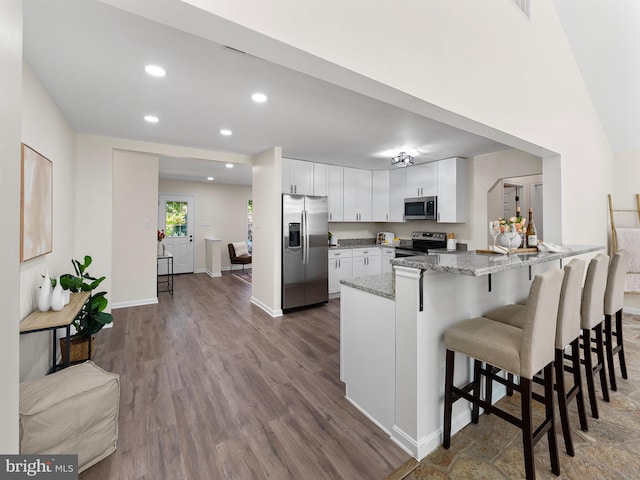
(631, 311)
(213, 274)
(265, 308)
(423, 447)
(135, 303)
(371, 419)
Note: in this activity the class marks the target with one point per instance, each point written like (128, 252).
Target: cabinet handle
(330, 216)
(339, 264)
(295, 189)
(386, 216)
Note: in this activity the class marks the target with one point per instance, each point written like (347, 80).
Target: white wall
(95, 182)
(134, 239)
(221, 212)
(45, 129)
(482, 66)
(267, 235)
(10, 126)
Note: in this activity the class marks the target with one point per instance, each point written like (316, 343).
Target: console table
(42, 321)
(168, 283)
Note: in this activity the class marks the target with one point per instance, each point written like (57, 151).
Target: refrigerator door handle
(305, 238)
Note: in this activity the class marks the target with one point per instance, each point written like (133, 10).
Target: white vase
(67, 296)
(160, 249)
(44, 295)
(57, 297)
(506, 242)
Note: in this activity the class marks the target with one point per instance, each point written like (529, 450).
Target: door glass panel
(176, 219)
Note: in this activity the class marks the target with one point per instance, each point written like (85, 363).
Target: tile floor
(609, 450)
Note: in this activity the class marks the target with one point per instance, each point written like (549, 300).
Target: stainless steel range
(422, 243)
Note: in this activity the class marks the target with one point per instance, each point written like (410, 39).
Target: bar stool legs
(591, 370)
(613, 350)
(471, 393)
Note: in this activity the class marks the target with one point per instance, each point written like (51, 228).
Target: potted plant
(92, 317)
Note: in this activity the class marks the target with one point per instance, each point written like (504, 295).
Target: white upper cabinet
(357, 195)
(320, 180)
(335, 194)
(380, 196)
(297, 177)
(422, 180)
(396, 194)
(452, 190)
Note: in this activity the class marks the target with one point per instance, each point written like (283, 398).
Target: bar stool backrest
(538, 333)
(614, 294)
(568, 328)
(595, 284)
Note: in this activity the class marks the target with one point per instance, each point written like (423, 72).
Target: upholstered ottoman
(73, 411)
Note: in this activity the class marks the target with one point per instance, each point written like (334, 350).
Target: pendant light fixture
(402, 160)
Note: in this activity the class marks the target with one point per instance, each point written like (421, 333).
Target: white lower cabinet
(388, 254)
(366, 261)
(339, 268)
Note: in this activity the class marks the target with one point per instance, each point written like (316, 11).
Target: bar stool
(567, 334)
(591, 311)
(521, 351)
(613, 303)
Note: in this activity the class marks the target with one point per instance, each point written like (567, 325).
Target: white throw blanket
(629, 239)
(240, 248)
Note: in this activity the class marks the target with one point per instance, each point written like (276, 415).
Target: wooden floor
(213, 388)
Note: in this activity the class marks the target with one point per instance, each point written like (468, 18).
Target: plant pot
(79, 350)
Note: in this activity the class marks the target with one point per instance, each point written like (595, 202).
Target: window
(176, 219)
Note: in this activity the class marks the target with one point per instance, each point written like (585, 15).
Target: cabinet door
(429, 174)
(350, 195)
(413, 181)
(320, 180)
(452, 190)
(287, 187)
(358, 267)
(335, 194)
(364, 196)
(373, 265)
(301, 177)
(396, 194)
(380, 196)
(334, 284)
(388, 254)
(344, 270)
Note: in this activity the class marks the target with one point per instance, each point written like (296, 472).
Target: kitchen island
(392, 356)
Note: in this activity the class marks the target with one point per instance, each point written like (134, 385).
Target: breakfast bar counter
(392, 356)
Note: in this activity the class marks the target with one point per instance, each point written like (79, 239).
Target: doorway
(176, 214)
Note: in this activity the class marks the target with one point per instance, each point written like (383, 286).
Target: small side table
(43, 321)
(167, 283)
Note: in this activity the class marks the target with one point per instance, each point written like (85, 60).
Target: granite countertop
(475, 264)
(380, 285)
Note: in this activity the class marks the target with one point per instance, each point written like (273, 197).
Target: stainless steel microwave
(421, 208)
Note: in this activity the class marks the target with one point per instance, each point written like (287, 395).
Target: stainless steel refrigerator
(304, 251)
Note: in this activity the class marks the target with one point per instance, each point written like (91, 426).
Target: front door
(176, 214)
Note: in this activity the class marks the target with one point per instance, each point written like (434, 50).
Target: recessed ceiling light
(210, 179)
(259, 97)
(155, 71)
(226, 132)
(151, 119)
(229, 165)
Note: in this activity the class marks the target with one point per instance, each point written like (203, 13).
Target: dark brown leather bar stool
(613, 304)
(521, 351)
(567, 335)
(595, 284)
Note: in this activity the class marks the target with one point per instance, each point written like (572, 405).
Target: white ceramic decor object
(44, 295)
(67, 296)
(57, 297)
